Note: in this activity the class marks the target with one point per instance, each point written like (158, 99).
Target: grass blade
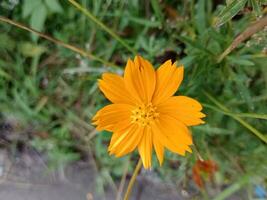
(233, 188)
(230, 11)
(245, 115)
(100, 24)
(56, 41)
(157, 9)
(257, 133)
(256, 7)
(201, 16)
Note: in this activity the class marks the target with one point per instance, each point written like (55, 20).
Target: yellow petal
(110, 115)
(119, 130)
(159, 148)
(184, 109)
(145, 148)
(125, 140)
(113, 87)
(140, 79)
(175, 130)
(168, 80)
(172, 134)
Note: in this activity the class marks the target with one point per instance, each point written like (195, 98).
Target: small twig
(254, 28)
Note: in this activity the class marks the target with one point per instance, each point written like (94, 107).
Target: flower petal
(113, 87)
(184, 109)
(140, 79)
(169, 78)
(125, 140)
(175, 130)
(159, 148)
(110, 115)
(145, 148)
(172, 134)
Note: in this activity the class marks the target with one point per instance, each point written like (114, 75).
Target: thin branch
(254, 28)
(56, 41)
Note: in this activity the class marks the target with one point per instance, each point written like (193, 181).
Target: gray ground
(27, 177)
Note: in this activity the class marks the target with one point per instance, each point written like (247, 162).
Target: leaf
(195, 44)
(29, 6)
(240, 61)
(234, 187)
(200, 16)
(6, 42)
(37, 19)
(157, 9)
(54, 6)
(188, 60)
(31, 50)
(256, 7)
(145, 22)
(5, 75)
(237, 118)
(230, 11)
(240, 80)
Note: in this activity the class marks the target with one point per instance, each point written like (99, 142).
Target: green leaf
(157, 9)
(54, 6)
(233, 188)
(4, 74)
(200, 16)
(6, 42)
(37, 19)
(145, 22)
(195, 44)
(230, 11)
(239, 61)
(31, 50)
(240, 80)
(29, 6)
(256, 132)
(256, 7)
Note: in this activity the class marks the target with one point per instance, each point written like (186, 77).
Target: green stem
(103, 26)
(132, 181)
(233, 188)
(56, 41)
(237, 118)
(244, 115)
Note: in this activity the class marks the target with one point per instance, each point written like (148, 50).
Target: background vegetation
(49, 93)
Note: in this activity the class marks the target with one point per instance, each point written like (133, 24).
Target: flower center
(144, 115)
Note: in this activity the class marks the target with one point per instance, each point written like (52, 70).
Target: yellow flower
(144, 113)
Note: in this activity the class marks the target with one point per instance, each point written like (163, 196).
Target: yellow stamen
(144, 115)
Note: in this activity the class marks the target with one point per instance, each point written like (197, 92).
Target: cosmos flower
(145, 115)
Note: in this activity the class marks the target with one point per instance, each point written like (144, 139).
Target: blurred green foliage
(54, 91)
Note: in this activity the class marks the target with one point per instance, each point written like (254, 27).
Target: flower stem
(132, 181)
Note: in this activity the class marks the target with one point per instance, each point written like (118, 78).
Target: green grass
(53, 90)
